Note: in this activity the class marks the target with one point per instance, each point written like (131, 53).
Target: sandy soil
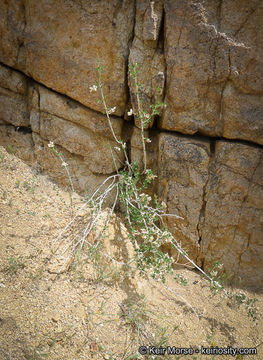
(88, 307)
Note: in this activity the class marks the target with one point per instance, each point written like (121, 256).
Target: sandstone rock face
(13, 100)
(58, 43)
(147, 52)
(232, 225)
(214, 53)
(219, 194)
(64, 108)
(82, 136)
(12, 26)
(17, 143)
(203, 58)
(82, 178)
(78, 130)
(95, 149)
(183, 173)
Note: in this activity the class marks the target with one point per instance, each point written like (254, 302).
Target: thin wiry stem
(85, 205)
(140, 115)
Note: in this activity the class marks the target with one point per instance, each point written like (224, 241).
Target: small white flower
(50, 144)
(163, 205)
(112, 110)
(147, 116)
(64, 164)
(117, 148)
(130, 112)
(213, 273)
(93, 88)
(148, 140)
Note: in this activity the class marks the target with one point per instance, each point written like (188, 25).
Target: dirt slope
(93, 310)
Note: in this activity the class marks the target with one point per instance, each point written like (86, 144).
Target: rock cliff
(205, 59)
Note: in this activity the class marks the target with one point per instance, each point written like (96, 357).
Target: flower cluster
(93, 88)
(112, 110)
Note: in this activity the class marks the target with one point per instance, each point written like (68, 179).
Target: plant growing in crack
(145, 215)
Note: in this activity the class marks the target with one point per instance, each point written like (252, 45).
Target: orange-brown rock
(231, 230)
(13, 97)
(182, 175)
(58, 43)
(97, 150)
(214, 53)
(68, 109)
(219, 194)
(147, 52)
(18, 143)
(83, 179)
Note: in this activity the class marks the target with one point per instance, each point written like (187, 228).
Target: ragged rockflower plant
(145, 214)
(142, 218)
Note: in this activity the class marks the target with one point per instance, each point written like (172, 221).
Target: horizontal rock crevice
(31, 81)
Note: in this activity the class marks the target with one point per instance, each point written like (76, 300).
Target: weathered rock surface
(95, 149)
(214, 53)
(82, 178)
(243, 115)
(58, 43)
(213, 59)
(233, 220)
(12, 80)
(219, 194)
(85, 135)
(147, 52)
(182, 175)
(19, 143)
(79, 130)
(65, 108)
(13, 99)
